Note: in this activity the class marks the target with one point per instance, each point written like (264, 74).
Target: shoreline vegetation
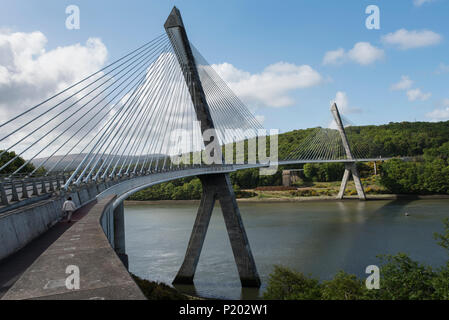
(425, 172)
(299, 199)
(305, 191)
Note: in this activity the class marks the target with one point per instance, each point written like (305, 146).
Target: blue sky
(252, 35)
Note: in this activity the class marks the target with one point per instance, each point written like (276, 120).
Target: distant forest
(393, 139)
(428, 173)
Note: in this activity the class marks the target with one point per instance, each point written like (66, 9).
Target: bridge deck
(84, 244)
(15, 265)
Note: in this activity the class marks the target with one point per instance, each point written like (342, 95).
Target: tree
(343, 286)
(285, 284)
(14, 165)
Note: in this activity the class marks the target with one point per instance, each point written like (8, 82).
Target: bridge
(157, 114)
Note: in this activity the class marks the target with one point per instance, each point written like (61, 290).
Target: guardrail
(23, 190)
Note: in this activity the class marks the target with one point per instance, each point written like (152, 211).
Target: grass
(318, 189)
(158, 291)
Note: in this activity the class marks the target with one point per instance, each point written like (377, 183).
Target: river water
(317, 238)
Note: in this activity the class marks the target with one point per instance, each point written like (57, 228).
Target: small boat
(407, 214)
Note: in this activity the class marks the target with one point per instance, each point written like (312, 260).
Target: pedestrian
(68, 207)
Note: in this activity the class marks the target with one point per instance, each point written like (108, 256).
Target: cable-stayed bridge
(159, 113)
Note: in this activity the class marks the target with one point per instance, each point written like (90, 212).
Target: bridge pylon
(215, 186)
(350, 167)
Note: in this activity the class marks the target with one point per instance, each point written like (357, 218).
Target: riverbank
(300, 199)
(307, 191)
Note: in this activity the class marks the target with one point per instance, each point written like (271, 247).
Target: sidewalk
(13, 266)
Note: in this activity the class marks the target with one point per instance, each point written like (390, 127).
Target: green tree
(403, 279)
(285, 284)
(343, 286)
(443, 238)
(14, 165)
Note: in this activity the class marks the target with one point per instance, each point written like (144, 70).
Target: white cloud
(419, 3)
(29, 73)
(439, 114)
(342, 101)
(417, 94)
(405, 39)
(261, 119)
(272, 86)
(404, 84)
(442, 68)
(362, 53)
(334, 57)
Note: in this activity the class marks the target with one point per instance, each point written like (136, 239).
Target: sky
(287, 60)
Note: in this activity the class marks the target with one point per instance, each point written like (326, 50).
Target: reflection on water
(317, 238)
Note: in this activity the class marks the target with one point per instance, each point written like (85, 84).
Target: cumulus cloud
(272, 86)
(417, 94)
(334, 57)
(405, 39)
(342, 101)
(29, 73)
(404, 84)
(362, 53)
(442, 113)
(419, 3)
(438, 114)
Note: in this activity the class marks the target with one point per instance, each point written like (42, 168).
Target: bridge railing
(22, 189)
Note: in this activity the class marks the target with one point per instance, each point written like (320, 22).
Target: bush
(343, 287)
(275, 188)
(324, 172)
(430, 176)
(158, 291)
(402, 278)
(285, 284)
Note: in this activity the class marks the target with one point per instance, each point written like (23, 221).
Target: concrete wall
(291, 176)
(107, 222)
(20, 226)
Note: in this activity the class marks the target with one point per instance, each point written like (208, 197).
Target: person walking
(68, 207)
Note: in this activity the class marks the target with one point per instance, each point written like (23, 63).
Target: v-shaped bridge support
(350, 167)
(218, 187)
(215, 186)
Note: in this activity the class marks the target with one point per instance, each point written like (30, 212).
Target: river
(317, 238)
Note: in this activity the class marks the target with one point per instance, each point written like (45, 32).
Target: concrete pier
(350, 167)
(218, 187)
